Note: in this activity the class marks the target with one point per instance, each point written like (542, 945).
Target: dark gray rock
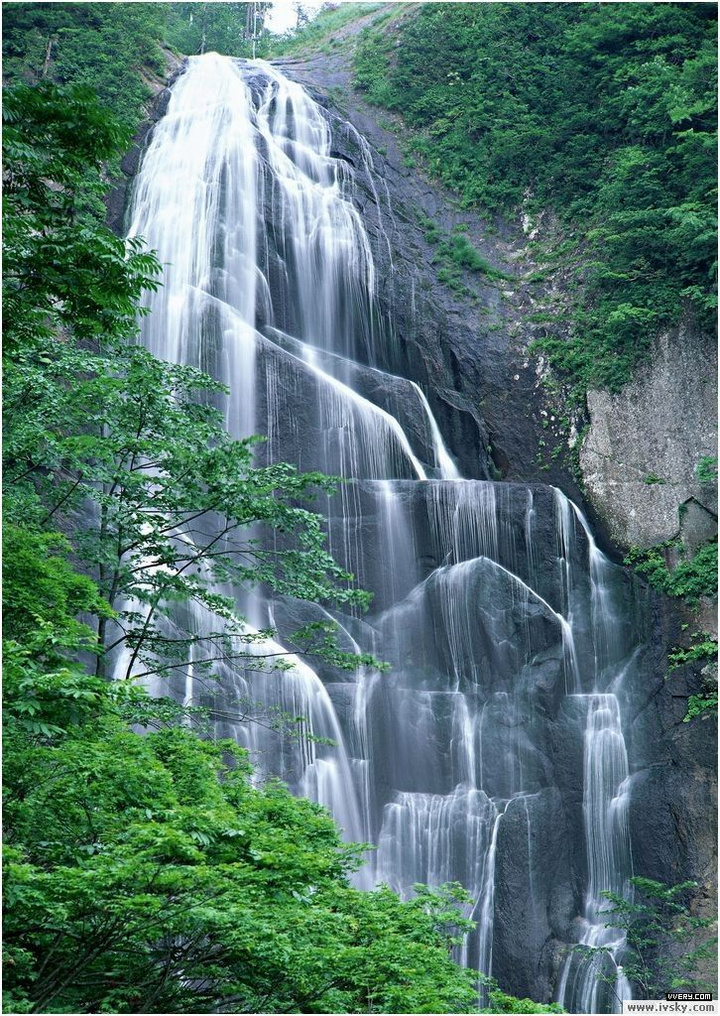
(506, 652)
(530, 887)
(117, 198)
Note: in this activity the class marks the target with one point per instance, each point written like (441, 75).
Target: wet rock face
(678, 831)
(463, 343)
(468, 579)
(674, 831)
(644, 444)
(117, 199)
(457, 347)
(533, 844)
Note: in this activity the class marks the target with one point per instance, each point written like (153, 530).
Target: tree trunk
(48, 56)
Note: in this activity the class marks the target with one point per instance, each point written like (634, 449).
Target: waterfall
(498, 729)
(595, 982)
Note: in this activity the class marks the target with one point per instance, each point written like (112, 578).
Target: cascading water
(594, 981)
(498, 729)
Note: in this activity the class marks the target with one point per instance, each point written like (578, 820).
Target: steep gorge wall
(643, 445)
(468, 354)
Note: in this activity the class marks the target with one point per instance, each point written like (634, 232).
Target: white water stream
(492, 602)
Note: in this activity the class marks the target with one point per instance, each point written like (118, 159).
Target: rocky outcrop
(644, 443)
(116, 200)
(467, 351)
(462, 341)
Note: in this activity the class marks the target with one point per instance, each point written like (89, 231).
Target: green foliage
(320, 32)
(455, 255)
(114, 49)
(215, 27)
(105, 47)
(707, 469)
(690, 579)
(665, 941)
(704, 705)
(604, 112)
(40, 587)
(698, 576)
(62, 267)
(702, 648)
(146, 874)
(499, 1002)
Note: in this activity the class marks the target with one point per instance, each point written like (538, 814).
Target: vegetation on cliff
(115, 48)
(151, 873)
(694, 580)
(605, 114)
(95, 45)
(668, 945)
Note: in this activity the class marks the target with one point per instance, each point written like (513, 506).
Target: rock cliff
(641, 452)
(466, 346)
(469, 352)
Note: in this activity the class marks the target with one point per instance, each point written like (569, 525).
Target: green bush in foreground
(667, 944)
(147, 874)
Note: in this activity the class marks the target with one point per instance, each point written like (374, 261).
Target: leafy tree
(104, 46)
(166, 496)
(62, 268)
(96, 427)
(222, 27)
(666, 942)
(147, 874)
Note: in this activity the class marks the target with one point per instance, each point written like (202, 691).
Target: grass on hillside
(318, 34)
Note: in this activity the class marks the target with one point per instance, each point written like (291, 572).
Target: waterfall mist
(492, 753)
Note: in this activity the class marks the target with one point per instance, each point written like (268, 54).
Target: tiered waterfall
(492, 752)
